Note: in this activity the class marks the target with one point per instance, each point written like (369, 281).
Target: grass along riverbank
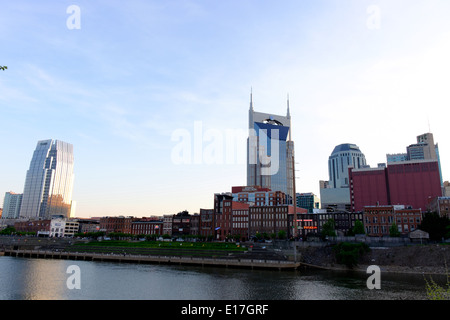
(196, 249)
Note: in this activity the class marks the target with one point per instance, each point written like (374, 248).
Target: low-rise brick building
(379, 219)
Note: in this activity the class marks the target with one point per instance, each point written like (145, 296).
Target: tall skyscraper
(49, 181)
(270, 152)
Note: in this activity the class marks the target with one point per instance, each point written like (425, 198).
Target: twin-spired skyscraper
(270, 152)
(49, 181)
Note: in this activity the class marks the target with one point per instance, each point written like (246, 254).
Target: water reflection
(40, 279)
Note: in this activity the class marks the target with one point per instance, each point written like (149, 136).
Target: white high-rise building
(49, 181)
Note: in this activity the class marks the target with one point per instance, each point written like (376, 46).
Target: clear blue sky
(131, 75)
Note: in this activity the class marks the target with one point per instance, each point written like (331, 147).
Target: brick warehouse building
(237, 218)
(273, 219)
(118, 224)
(410, 183)
(224, 206)
(147, 227)
(378, 219)
(207, 223)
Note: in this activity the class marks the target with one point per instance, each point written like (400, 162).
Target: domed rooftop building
(342, 157)
(335, 192)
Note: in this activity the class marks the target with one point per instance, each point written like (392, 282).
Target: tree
(8, 231)
(349, 253)
(258, 236)
(281, 234)
(3, 68)
(435, 225)
(358, 228)
(393, 230)
(328, 229)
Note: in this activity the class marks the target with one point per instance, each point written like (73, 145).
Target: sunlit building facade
(49, 181)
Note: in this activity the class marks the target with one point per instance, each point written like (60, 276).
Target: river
(47, 279)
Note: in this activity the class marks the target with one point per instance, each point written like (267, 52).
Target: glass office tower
(270, 152)
(49, 181)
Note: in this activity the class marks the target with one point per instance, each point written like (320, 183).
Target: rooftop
(346, 147)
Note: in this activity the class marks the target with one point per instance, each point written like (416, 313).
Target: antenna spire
(288, 111)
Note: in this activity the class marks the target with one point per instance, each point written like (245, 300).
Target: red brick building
(181, 224)
(440, 205)
(42, 226)
(379, 219)
(223, 204)
(207, 223)
(240, 220)
(147, 227)
(273, 219)
(258, 196)
(117, 224)
(410, 183)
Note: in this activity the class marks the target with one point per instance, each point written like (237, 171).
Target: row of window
(385, 229)
(269, 223)
(390, 220)
(267, 216)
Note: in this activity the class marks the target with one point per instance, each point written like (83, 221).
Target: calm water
(42, 279)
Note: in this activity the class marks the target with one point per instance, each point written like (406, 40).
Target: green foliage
(393, 230)
(349, 253)
(8, 231)
(447, 232)
(282, 234)
(90, 234)
(437, 292)
(436, 226)
(358, 228)
(328, 229)
(163, 244)
(12, 231)
(3, 68)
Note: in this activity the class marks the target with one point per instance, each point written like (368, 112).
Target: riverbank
(235, 262)
(417, 259)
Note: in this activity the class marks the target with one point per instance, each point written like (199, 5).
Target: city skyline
(118, 81)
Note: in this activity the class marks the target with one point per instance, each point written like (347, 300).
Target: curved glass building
(49, 181)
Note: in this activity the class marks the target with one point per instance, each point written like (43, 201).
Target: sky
(154, 95)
